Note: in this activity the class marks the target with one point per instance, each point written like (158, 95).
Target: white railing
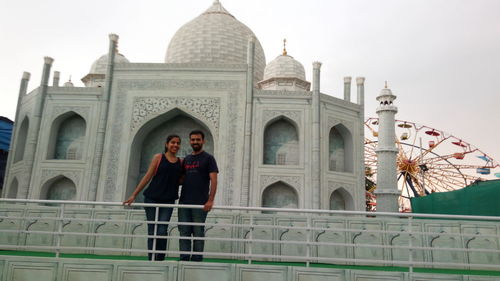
(299, 235)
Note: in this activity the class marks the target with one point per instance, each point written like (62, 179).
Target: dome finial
(216, 2)
(385, 84)
(284, 47)
(69, 83)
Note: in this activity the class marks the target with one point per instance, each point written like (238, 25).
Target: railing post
(250, 243)
(59, 231)
(157, 214)
(410, 246)
(309, 239)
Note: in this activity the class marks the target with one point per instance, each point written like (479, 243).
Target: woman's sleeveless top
(164, 185)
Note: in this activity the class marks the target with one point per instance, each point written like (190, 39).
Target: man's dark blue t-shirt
(196, 178)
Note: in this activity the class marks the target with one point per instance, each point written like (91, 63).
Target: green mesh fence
(478, 199)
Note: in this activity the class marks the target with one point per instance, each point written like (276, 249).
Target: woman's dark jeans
(164, 215)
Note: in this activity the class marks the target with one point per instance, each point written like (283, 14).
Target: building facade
(278, 140)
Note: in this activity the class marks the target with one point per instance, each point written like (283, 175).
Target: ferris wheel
(429, 160)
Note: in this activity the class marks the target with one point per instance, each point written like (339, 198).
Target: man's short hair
(197, 132)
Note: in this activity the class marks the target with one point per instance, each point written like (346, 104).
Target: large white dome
(217, 37)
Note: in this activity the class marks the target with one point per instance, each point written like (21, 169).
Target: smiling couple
(197, 173)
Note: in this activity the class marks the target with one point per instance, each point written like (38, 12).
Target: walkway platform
(43, 266)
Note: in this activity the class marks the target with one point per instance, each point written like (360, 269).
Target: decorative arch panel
(67, 137)
(340, 149)
(59, 188)
(13, 189)
(22, 136)
(280, 195)
(281, 143)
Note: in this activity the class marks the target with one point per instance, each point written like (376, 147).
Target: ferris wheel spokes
(429, 160)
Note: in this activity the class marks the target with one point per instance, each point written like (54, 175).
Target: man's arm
(213, 189)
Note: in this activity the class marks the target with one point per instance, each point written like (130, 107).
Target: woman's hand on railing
(129, 201)
(208, 206)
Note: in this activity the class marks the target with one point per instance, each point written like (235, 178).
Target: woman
(164, 173)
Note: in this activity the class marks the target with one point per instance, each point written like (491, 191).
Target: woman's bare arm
(145, 180)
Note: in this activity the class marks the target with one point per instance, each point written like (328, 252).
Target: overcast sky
(441, 58)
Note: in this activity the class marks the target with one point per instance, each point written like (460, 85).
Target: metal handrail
(260, 209)
(245, 241)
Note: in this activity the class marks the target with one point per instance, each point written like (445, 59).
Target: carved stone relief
(51, 173)
(114, 151)
(270, 114)
(150, 84)
(332, 121)
(229, 181)
(266, 180)
(207, 109)
(81, 110)
(332, 186)
(272, 93)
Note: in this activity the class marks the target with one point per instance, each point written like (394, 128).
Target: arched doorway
(21, 140)
(281, 143)
(150, 140)
(341, 200)
(340, 149)
(13, 189)
(60, 188)
(280, 195)
(67, 137)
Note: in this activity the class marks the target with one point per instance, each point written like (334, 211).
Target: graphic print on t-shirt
(197, 169)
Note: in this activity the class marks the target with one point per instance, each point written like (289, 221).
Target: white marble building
(278, 141)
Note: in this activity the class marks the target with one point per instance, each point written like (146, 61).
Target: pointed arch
(13, 188)
(280, 195)
(281, 142)
(150, 140)
(67, 137)
(340, 149)
(22, 136)
(341, 199)
(58, 188)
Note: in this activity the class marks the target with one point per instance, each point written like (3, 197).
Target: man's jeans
(164, 215)
(191, 215)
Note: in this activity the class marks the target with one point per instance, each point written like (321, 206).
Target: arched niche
(280, 195)
(59, 188)
(281, 143)
(14, 186)
(21, 140)
(150, 140)
(340, 149)
(342, 200)
(67, 137)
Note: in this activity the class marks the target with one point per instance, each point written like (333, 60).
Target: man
(198, 188)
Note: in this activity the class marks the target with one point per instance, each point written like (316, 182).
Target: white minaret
(387, 188)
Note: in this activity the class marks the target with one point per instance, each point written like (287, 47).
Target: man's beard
(196, 147)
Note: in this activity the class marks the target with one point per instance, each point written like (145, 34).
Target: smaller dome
(68, 84)
(100, 65)
(284, 73)
(284, 66)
